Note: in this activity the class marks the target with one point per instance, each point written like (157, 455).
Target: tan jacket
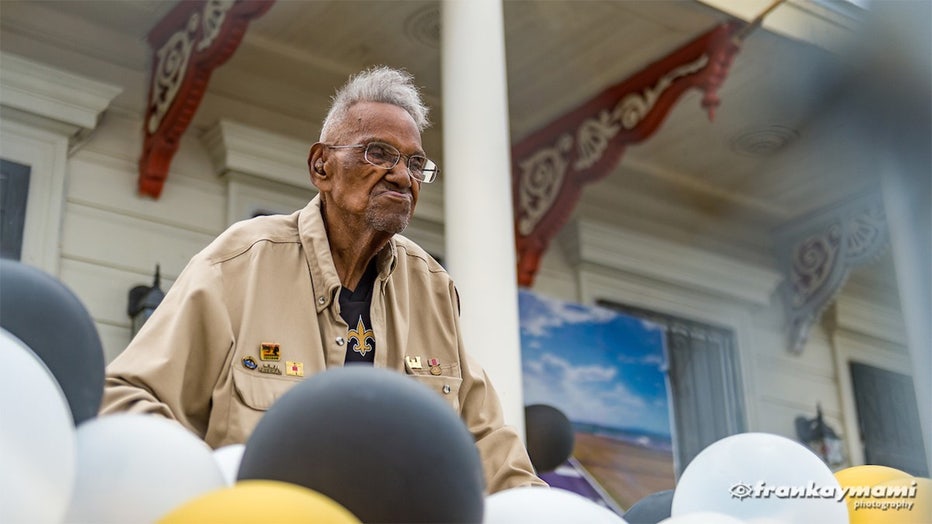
(261, 282)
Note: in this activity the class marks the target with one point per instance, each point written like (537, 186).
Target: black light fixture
(142, 302)
(820, 438)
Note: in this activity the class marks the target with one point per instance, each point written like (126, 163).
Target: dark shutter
(889, 419)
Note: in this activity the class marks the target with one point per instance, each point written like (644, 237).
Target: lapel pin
(269, 351)
(295, 369)
(414, 362)
(434, 366)
(249, 362)
(271, 369)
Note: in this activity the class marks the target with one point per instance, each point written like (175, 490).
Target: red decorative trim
(192, 40)
(551, 166)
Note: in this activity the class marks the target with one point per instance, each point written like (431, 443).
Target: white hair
(377, 84)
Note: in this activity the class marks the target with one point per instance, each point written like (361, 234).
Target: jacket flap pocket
(259, 391)
(448, 387)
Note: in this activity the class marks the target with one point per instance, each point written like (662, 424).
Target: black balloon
(550, 436)
(651, 509)
(52, 321)
(383, 446)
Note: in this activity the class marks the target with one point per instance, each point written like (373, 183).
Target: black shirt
(354, 308)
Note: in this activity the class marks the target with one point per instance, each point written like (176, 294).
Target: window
(704, 379)
(14, 192)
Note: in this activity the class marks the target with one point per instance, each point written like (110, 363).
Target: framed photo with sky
(605, 371)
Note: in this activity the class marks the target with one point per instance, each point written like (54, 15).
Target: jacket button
(339, 341)
(321, 300)
(446, 389)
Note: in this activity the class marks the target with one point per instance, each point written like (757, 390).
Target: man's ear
(316, 165)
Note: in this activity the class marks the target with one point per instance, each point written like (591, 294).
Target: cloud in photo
(542, 314)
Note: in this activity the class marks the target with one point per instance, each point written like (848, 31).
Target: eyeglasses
(386, 156)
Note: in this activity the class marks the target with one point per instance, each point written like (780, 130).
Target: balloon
(37, 439)
(383, 446)
(651, 509)
(252, 501)
(545, 506)
(905, 500)
(228, 459)
(758, 475)
(550, 437)
(856, 478)
(702, 517)
(53, 323)
(136, 468)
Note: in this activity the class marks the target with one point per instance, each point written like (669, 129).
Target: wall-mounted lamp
(820, 438)
(142, 302)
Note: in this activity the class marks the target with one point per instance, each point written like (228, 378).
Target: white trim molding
(592, 242)
(247, 150)
(35, 89)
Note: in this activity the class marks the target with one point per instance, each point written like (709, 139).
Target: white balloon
(702, 517)
(137, 468)
(37, 438)
(545, 506)
(760, 475)
(228, 459)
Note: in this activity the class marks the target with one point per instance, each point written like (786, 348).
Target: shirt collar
(324, 278)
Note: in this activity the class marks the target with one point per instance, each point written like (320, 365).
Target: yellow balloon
(857, 478)
(251, 501)
(868, 475)
(901, 501)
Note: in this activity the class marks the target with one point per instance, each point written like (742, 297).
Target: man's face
(384, 199)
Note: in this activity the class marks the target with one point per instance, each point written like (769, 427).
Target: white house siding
(113, 238)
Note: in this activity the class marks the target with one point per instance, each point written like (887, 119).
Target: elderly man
(275, 299)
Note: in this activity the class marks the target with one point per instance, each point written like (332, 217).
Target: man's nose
(400, 175)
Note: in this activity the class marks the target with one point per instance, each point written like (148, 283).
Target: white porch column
(906, 203)
(480, 247)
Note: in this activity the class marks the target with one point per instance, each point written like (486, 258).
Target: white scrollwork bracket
(173, 58)
(214, 13)
(817, 253)
(541, 179)
(594, 134)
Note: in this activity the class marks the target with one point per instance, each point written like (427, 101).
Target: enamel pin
(270, 369)
(269, 351)
(295, 369)
(414, 362)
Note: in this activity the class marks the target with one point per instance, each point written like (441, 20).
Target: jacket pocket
(259, 391)
(448, 387)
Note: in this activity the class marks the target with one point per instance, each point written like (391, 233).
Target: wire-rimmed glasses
(387, 156)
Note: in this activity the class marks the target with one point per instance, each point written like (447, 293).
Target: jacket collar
(324, 278)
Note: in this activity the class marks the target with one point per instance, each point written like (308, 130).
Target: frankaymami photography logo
(877, 497)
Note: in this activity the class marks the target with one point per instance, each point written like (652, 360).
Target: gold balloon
(871, 502)
(907, 501)
(251, 501)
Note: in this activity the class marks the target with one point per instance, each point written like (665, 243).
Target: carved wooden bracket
(551, 166)
(816, 254)
(192, 40)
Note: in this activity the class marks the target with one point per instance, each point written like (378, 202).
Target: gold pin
(295, 369)
(414, 362)
(434, 366)
(269, 351)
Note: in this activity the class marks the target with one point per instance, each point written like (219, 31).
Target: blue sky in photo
(596, 365)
